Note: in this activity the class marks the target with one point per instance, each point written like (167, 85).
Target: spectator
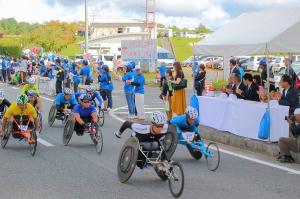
(104, 79)
(289, 96)
(162, 72)
(129, 90)
(178, 99)
(257, 80)
(167, 93)
(235, 84)
(290, 72)
(200, 79)
(251, 90)
(233, 67)
(109, 94)
(139, 83)
(86, 73)
(76, 79)
(3, 69)
(9, 69)
(286, 145)
(23, 69)
(59, 76)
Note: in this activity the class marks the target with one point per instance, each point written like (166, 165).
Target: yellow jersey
(14, 109)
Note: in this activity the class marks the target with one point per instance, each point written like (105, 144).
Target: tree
(202, 29)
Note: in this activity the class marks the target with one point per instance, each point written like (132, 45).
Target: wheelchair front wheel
(98, 140)
(212, 156)
(32, 142)
(52, 115)
(5, 139)
(101, 118)
(176, 179)
(161, 174)
(68, 132)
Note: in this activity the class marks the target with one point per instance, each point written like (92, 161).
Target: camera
(291, 117)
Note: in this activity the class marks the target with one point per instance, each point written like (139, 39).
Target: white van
(165, 56)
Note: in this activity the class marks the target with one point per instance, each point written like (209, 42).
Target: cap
(297, 111)
(137, 67)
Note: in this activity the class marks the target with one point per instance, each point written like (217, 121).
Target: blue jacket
(60, 100)
(127, 87)
(76, 78)
(104, 80)
(42, 69)
(87, 72)
(139, 83)
(162, 71)
(3, 64)
(182, 123)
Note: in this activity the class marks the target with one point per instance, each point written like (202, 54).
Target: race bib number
(23, 128)
(188, 136)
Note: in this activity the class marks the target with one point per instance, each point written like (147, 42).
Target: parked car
(253, 63)
(277, 75)
(278, 64)
(164, 56)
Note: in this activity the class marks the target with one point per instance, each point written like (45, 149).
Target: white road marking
(289, 170)
(48, 99)
(126, 113)
(45, 143)
(16, 88)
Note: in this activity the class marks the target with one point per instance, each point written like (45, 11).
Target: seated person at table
(286, 145)
(272, 92)
(235, 85)
(289, 96)
(251, 91)
(188, 122)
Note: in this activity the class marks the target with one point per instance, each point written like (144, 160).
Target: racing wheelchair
(90, 128)
(20, 129)
(152, 154)
(54, 114)
(197, 148)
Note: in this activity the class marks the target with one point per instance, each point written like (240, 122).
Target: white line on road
(292, 171)
(45, 143)
(16, 88)
(48, 99)
(126, 113)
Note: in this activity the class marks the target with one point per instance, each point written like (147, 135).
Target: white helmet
(67, 91)
(159, 118)
(31, 80)
(89, 89)
(191, 112)
(2, 94)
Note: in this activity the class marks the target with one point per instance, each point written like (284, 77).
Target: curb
(270, 149)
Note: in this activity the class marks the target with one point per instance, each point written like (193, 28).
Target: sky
(182, 13)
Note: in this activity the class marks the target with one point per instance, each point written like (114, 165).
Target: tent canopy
(277, 31)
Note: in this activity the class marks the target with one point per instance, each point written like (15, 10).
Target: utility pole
(86, 28)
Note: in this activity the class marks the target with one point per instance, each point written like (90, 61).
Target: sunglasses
(159, 126)
(86, 102)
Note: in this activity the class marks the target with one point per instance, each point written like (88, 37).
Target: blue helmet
(74, 64)
(85, 62)
(104, 66)
(129, 66)
(66, 60)
(42, 62)
(85, 97)
(100, 62)
(263, 62)
(3, 57)
(132, 63)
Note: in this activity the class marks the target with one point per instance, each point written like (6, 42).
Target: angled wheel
(127, 159)
(32, 142)
(196, 154)
(52, 115)
(101, 117)
(98, 140)
(40, 117)
(8, 131)
(170, 141)
(212, 157)
(176, 179)
(68, 132)
(161, 174)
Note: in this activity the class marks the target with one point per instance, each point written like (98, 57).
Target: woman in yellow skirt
(178, 99)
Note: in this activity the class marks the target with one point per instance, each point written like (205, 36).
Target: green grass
(219, 84)
(183, 47)
(71, 50)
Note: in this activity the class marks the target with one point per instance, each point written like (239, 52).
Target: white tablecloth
(242, 117)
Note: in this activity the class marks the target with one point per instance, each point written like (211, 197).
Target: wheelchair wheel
(127, 159)
(101, 118)
(176, 179)
(196, 154)
(212, 157)
(40, 117)
(68, 132)
(33, 142)
(8, 131)
(161, 174)
(52, 115)
(170, 141)
(98, 140)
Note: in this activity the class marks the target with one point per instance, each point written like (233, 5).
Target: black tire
(214, 161)
(176, 176)
(68, 132)
(161, 174)
(101, 117)
(52, 115)
(170, 141)
(196, 154)
(127, 159)
(33, 142)
(98, 140)
(5, 139)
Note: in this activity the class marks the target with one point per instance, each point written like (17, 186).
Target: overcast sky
(183, 13)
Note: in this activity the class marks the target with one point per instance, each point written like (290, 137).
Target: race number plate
(188, 136)
(23, 127)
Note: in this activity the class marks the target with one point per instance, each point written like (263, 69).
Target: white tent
(274, 31)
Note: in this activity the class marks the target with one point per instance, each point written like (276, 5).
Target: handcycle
(100, 111)
(197, 148)
(23, 132)
(54, 114)
(91, 128)
(151, 154)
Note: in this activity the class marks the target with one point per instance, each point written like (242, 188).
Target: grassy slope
(71, 50)
(183, 47)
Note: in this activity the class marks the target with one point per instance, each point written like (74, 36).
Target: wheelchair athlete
(90, 90)
(187, 123)
(64, 101)
(148, 133)
(18, 110)
(84, 113)
(34, 100)
(31, 85)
